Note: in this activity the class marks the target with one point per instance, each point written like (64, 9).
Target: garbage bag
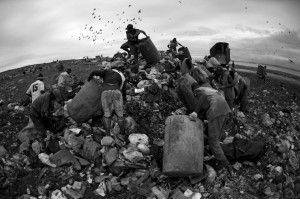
(244, 149)
(64, 157)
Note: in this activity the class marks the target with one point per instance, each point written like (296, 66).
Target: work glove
(193, 116)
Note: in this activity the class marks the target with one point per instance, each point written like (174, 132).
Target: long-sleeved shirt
(210, 103)
(112, 80)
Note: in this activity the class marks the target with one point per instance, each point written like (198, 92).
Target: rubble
(88, 163)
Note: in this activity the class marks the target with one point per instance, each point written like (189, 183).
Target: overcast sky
(38, 31)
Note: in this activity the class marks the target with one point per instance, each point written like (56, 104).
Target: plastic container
(86, 102)
(149, 51)
(183, 148)
(186, 52)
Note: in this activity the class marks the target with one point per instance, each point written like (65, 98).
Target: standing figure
(130, 46)
(113, 94)
(173, 45)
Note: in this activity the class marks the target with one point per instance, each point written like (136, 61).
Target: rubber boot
(121, 124)
(107, 124)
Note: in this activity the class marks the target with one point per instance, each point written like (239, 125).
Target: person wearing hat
(130, 47)
(173, 45)
(36, 88)
(41, 111)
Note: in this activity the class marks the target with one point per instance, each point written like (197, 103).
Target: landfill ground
(275, 175)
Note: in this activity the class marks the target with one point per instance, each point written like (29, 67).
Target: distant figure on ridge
(173, 45)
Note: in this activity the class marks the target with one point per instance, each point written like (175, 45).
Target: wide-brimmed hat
(40, 77)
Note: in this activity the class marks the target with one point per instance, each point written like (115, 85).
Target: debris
(3, 151)
(111, 155)
(266, 120)
(64, 157)
(211, 174)
(57, 194)
(133, 155)
(138, 139)
(45, 159)
(107, 141)
(237, 166)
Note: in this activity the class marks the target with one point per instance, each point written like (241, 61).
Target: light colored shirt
(65, 80)
(36, 89)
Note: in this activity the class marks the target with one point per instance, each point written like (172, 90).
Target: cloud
(256, 31)
(198, 32)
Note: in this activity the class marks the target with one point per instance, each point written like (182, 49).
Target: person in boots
(113, 94)
(130, 46)
(212, 106)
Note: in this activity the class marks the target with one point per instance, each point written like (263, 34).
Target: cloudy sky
(40, 31)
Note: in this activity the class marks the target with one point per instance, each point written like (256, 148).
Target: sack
(243, 149)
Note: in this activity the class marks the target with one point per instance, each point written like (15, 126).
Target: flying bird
(179, 1)
(139, 11)
(94, 8)
(291, 61)
(246, 8)
(129, 6)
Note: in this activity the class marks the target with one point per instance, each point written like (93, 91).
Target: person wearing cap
(212, 106)
(112, 96)
(41, 111)
(65, 80)
(130, 47)
(173, 45)
(36, 88)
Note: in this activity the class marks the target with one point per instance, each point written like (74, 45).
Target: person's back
(36, 89)
(212, 102)
(41, 105)
(185, 93)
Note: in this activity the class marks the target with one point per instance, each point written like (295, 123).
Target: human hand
(193, 116)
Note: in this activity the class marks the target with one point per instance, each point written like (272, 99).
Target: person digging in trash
(212, 106)
(130, 46)
(36, 88)
(112, 97)
(173, 45)
(41, 111)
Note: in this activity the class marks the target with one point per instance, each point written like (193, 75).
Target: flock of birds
(95, 33)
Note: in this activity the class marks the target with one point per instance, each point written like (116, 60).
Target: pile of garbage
(81, 161)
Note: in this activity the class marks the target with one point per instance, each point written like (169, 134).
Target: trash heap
(81, 161)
